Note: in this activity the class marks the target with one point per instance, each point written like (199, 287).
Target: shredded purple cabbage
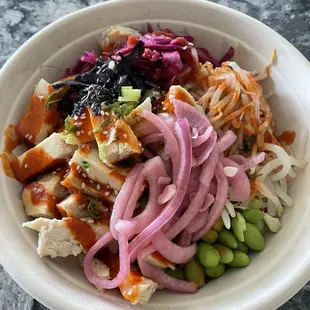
(86, 62)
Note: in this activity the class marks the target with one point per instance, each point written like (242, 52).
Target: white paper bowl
(274, 275)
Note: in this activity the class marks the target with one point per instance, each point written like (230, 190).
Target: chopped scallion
(93, 211)
(102, 124)
(85, 164)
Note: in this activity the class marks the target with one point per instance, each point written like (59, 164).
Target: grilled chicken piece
(91, 176)
(116, 140)
(67, 236)
(50, 152)
(40, 197)
(137, 289)
(77, 206)
(39, 121)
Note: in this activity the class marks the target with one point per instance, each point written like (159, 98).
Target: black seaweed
(102, 84)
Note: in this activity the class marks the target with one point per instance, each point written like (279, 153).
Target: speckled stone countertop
(20, 19)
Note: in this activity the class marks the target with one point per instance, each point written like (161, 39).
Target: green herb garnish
(93, 211)
(69, 126)
(85, 164)
(49, 102)
(102, 124)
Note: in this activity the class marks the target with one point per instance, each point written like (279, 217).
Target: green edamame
(226, 254)
(260, 225)
(210, 237)
(227, 238)
(194, 272)
(237, 228)
(242, 247)
(256, 203)
(215, 272)
(241, 259)
(207, 255)
(218, 225)
(253, 238)
(253, 215)
(177, 273)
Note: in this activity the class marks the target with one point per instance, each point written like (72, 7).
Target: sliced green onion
(93, 211)
(85, 164)
(102, 124)
(49, 102)
(129, 94)
(69, 126)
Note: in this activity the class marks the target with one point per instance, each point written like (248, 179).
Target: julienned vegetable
(156, 160)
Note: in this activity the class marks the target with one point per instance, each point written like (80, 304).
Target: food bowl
(273, 275)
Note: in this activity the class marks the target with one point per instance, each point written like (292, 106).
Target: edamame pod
(177, 273)
(215, 272)
(260, 225)
(218, 225)
(253, 238)
(237, 229)
(226, 254)
(256, 203)
(227, 238)
(253, 215)
(241, 259)
(242, 247)
(210, 237)
(207, 255)
(194, 272)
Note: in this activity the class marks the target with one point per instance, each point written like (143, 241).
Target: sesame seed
(105, 132)
(102, 112)
(78, 133)
(58, 169)
(164, 108)
(90, 221)
(106, 193)
(26, 165)
(91, 181)
(83, 185)
(115, 192)
(54, 172)
(67, 170)
(125, 136)
(108, 186)
(107, 113)
(75, 117)
(83, 117)
(54, 197)
(89, 133)
(84, 175)
(69, 163)
(82, 131)
(30, 137)
(98, 186)
(27, 135)
(78, 167)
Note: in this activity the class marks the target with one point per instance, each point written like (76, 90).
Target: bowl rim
(284, 290)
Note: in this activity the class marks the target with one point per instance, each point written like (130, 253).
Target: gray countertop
(20, 19)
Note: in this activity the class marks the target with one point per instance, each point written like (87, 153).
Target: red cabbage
(86, 62)
(172, 61)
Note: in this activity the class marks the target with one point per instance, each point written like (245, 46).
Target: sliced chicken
(157, 260)
(39, 121)
(91, 176)
(40, 197)
(177, 92)
(67, 236)
(79, 129)
(77, 206)
(48, 153)
(116, 140)
(137, 289)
